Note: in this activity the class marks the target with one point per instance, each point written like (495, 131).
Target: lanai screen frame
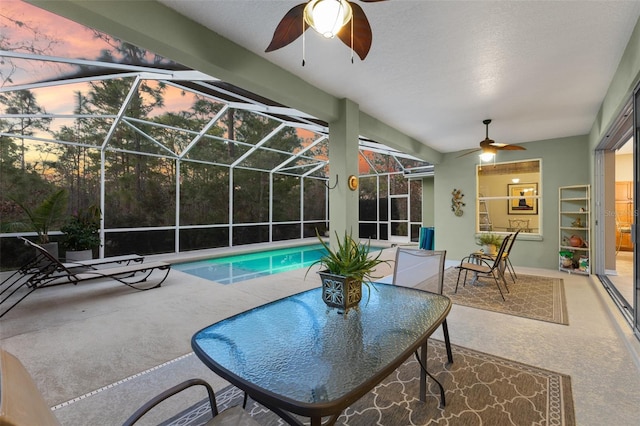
(315, 168)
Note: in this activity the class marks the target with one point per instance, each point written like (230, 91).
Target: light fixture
(486, 156)
(515, 180)
(327, 16)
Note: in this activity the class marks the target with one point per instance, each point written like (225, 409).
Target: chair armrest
(169, 393)
(476, 259)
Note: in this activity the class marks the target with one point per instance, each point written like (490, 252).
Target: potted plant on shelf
(489, 242)
(81, 234)
(345, 270)
(43, 217)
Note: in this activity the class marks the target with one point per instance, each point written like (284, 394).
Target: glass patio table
(296, 355)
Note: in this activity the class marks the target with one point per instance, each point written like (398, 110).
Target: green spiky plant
(351, 259)
(45, 215)
(489, 239)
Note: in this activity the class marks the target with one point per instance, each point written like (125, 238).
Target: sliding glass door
(636, 192)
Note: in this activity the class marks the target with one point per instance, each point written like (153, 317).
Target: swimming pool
(240, 267)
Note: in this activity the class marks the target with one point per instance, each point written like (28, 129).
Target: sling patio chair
(478, 264)
(21, 403)
(424, 270)
(506, 261)
(46, 271)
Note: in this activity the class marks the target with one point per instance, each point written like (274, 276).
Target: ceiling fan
(343, 18)
(489, 147)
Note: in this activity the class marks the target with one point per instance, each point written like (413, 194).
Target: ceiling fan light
(327, 16)
(486, 156)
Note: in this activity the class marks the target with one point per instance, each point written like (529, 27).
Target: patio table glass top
(300, 355)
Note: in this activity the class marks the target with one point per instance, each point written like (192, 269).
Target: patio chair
(506, 260)
(506, 257)
(481, 265)
(21, 403)
(46, 271)
(422, 269)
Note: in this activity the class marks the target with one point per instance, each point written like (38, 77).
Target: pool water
(241, 267)
(231, 269)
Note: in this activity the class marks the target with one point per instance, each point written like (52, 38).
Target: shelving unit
(574, 230)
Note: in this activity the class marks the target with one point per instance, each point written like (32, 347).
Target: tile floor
(78, 341)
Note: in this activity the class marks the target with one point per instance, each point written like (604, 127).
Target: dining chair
(519, 225)
(21, 403)
(423, 269)
(481, 265)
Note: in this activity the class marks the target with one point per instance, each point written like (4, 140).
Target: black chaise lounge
(46, 271)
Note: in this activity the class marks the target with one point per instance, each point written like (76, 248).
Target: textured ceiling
(436, 69)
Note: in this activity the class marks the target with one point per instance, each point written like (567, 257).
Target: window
(509, 197)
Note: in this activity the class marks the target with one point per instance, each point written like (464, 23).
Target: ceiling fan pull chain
(352, 40)
(303, 40)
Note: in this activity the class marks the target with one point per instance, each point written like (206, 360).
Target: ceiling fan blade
(290, 28)
(511, 148)
(362, 36)
(469, 152)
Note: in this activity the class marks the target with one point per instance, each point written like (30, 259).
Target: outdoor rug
(531, 296)
(481, 389)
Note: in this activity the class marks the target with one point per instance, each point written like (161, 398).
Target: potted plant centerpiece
(81, 234)
(43, 217)
(489, 242)
(345, 270)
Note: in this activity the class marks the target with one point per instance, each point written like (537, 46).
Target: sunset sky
(22, 24)
(58, 37)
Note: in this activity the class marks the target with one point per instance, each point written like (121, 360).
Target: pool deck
(88, 345)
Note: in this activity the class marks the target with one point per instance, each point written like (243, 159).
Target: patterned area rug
(531, 296)
(481, 389)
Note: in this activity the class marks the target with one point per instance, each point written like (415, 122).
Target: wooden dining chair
(481, 265)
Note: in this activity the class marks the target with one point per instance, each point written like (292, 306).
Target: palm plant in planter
(490, 242)
(43, 217)
(345, 270)
(81, 234)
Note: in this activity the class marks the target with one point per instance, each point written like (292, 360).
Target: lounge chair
(21, 403)
(46, 271)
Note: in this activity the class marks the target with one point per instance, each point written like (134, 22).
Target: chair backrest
(46, 256)
(423, 269)
(501, 251)
(21, 403)
(518, 224)
(513, 240)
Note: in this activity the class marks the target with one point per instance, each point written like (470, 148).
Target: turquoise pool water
(232, 269)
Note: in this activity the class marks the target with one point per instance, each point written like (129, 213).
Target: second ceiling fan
(489, 147)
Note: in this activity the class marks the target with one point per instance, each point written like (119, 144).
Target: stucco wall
(564, 162)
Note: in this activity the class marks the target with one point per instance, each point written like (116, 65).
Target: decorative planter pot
(339, 291)
(71, 256)
(490, 249)
(576, 241)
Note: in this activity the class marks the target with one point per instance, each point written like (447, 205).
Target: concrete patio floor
(78, 341)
